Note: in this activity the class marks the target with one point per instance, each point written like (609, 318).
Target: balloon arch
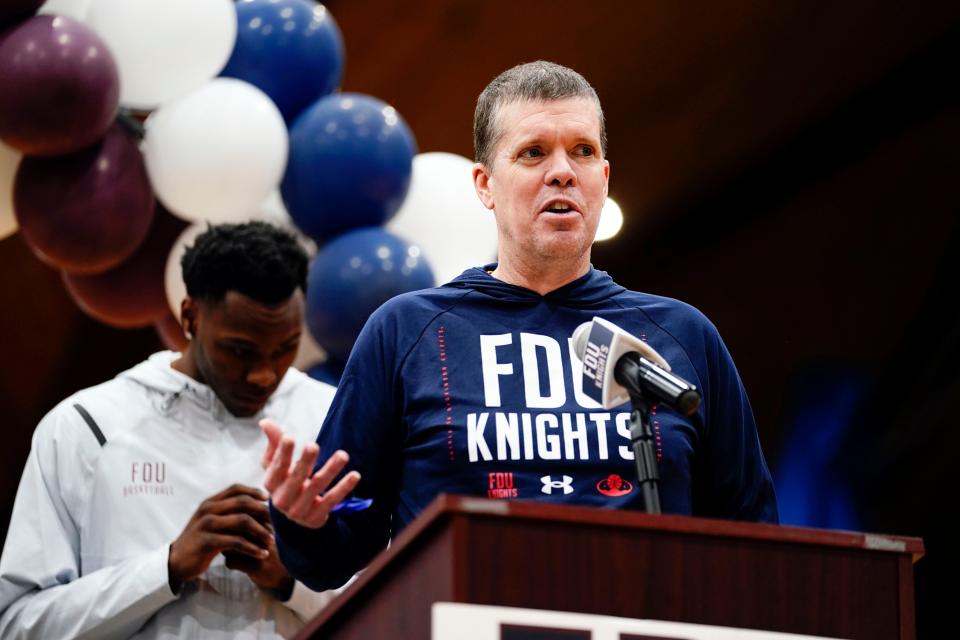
(127, 127)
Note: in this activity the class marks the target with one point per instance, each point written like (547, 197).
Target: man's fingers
(342, 489)
(300, 507)
(279, 468)
(330, 470)
(274, 433)
(231, 542)
(320, 510)
(242, 523)
(241, 504)
(299, 501)
(241, 562)
(291, 490)
(237, 490)
(304, 465)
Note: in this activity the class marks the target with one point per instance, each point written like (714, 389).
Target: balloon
(352, 276)
(14, 10)
(350, 161)
(292, 49)
(171, 333)
(164, 48)
(9, 161)
(443, 215)
(73, 8)
(88, 211)
(59, 86)
(173, 273)
(272, 210)
(131, 294)
(216, 153)
(329, 372)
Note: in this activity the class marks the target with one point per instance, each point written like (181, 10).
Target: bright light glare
(611, 219)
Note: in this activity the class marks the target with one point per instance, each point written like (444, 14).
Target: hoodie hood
(590, 290)
(172, 386)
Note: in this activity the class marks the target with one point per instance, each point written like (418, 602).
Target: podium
(631, 565)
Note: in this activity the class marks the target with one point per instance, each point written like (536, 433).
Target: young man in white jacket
(140, 512)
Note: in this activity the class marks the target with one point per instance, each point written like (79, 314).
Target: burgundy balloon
(59, 90)
(13, 10)
(131, 294)
(88, 211)
(171, 333)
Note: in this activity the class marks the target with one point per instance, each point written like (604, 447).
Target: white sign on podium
(456, 621)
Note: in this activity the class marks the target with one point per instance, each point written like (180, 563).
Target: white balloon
(173, 275)
(272, 210)
(9, 161)
(74, 8)
(164, 48)
(443, 215)
(216, 153)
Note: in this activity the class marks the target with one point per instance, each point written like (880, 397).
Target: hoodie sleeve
(731, 478)
(43, 593)
(365, 420)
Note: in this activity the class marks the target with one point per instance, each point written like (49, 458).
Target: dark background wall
(790, 168)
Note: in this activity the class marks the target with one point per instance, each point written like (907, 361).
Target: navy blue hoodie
(472, 388)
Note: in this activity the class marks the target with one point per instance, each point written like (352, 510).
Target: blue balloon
(291, 49)
(352, 276)
(351, 157)
(329, 372)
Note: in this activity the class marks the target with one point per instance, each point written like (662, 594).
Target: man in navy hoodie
(472, 387)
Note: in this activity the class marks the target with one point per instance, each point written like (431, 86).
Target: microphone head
(579, 338)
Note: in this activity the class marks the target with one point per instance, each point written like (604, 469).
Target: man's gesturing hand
(295, 493)
(234, 520)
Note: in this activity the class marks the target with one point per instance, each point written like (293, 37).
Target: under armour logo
(549, 484)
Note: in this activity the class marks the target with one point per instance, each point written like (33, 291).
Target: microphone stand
(644, 452)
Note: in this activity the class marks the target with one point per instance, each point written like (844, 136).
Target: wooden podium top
(447, 508)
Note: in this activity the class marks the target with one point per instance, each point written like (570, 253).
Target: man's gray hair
(540, 80)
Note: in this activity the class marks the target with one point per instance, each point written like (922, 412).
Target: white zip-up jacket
(86, 552)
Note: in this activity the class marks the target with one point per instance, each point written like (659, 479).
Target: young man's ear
(188, 317)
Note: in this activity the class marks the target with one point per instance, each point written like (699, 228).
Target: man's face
(548, 179)
(241, 348)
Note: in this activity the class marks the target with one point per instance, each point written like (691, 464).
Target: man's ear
(189, 310)
(606, 178)
(481, 182)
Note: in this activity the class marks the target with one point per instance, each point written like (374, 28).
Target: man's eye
(532, 153)
(585, 150)
(285, 350)
(242, 352)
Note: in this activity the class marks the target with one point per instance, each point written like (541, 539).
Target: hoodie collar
(593, 288)
(156, 374)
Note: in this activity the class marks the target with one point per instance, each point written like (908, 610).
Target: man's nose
(262, 376)
(560, 171)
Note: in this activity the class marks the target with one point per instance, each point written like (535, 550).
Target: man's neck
(185, 365)
(543, 277)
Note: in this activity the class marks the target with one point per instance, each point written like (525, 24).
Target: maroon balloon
(13, 10)
(88, 211)
(171, 333)
(131, 294)
(59, 89)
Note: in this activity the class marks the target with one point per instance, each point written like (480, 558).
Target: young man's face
(548, 179)
(242, 348)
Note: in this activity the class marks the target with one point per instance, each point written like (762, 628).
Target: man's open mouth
(560, 207)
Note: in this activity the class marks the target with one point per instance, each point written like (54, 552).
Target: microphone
(618, 365)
